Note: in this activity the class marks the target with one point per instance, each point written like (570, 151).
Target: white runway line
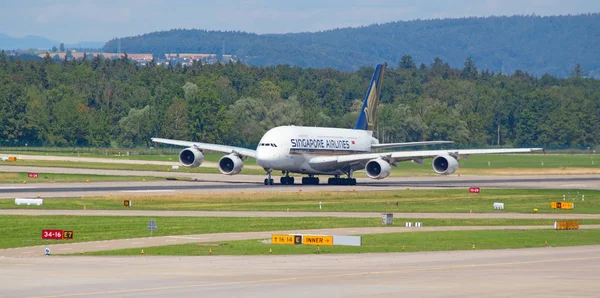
(16, 187)
(137, 242)
(151, 190)
(183, 237)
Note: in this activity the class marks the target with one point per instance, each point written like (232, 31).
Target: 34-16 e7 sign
(57, 234)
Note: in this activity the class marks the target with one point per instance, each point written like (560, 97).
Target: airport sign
(52, 234)
(317, 240)
(474, 189)
(282, 239)
(68, 235)
(32, 175)
(152, 226)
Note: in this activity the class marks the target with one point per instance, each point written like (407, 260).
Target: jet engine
(378, 168)
(230, 164)
(191, 157)
(444, 164)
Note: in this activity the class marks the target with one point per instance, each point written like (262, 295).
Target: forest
(537, 45)
(116, 103)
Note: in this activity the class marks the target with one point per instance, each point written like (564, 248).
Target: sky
(92, 20)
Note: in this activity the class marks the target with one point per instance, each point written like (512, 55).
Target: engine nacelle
(230, 164)
(191, 157)
(378, 168)
(444, 164)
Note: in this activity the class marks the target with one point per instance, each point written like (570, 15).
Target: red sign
(474, 190)
(52, 234)
(32, 175)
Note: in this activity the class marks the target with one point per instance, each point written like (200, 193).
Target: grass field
(17, 231)
(117, 166)
(511, 164)
(46, 177)
(393, 242)
(444, 200)
(210, 157)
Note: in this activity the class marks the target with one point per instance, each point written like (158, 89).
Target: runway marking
(433, 268)
(137, 242)
(149, 190)
(102, 245)
(67, 248)
(15, 187)
(183, 237)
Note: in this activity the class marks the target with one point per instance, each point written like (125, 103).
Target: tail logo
(366, 120)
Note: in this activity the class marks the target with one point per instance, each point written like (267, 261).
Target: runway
(537, 272)
(207, 183)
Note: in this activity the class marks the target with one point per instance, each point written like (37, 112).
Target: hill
(534, 44)
(38, 42)
(26, 42)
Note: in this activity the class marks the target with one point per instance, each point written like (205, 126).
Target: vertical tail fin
(366, 118)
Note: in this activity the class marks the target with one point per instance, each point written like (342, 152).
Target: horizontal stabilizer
(408, 144)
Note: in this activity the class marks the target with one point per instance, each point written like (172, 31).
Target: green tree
(469, 71)
(406, 62)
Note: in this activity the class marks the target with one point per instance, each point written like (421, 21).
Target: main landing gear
(342, 181)
(310, 180)
(286, 180)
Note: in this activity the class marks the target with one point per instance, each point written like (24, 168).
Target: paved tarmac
(536, 272)
(210, 183)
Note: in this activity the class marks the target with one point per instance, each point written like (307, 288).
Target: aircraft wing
(354, 159)
(397, 145)
(211, 147)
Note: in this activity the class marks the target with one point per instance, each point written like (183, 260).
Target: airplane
(329, 151)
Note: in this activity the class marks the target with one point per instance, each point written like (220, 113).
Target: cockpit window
(267, 144)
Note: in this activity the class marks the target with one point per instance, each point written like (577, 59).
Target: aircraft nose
(266, 157)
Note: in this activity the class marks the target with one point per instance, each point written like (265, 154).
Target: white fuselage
(289, 148)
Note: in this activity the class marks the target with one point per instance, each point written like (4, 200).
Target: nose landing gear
(268, 180)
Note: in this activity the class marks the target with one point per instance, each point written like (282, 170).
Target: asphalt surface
(537, 272)
(207, 183)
